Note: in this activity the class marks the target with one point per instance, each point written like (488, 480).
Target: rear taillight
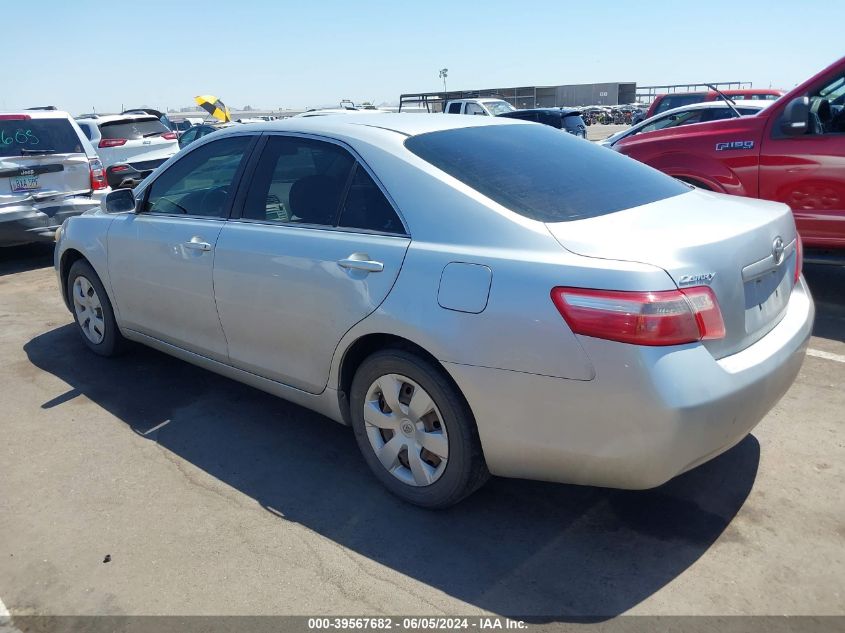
(170, 136)
(98, 175)
(799, 258)
(670, 317)
(111, 142)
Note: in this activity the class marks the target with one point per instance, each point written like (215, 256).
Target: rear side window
(133, 129)
(574, 123)
(536, 171)
(19, 137)
(367, 208)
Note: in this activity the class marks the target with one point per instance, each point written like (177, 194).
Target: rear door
(316, 249)
(40, 158)
(807, 172)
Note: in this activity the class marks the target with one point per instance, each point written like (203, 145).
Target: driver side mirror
(795, 119)
(120, 201)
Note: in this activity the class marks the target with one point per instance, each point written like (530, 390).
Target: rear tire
(92, 311)
(425, 448)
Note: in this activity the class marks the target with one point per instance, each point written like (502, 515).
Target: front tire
(415, 431)
(92, 310)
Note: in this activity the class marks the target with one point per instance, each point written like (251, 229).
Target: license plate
(766, 297)
(24, 183)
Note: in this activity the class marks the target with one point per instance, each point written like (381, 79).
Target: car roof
(38, 114)
(108, 118)
(407, 124)
(706, 105)
(560, 111)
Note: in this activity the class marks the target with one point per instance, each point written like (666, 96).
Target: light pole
(443, 73)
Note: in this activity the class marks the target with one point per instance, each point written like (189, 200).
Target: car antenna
(730, 102)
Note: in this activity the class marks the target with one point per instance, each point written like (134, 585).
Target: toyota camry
(472, 295)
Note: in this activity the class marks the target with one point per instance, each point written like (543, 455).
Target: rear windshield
(133, 129)
(573, 122)
(542, 174)
(32, 136)
(676, 101)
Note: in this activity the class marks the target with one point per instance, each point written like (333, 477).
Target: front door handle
(196, 244)
(361, 261)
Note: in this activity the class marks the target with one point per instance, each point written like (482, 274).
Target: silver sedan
(472, 295)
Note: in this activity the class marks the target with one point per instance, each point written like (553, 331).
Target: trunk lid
(745, 250)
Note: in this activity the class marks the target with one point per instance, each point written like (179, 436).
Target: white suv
(130, 146)
(48, 172)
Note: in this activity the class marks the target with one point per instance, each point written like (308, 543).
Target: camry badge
(777, 250)
(700, 278)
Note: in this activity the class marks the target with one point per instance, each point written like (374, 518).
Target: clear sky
(79, 55)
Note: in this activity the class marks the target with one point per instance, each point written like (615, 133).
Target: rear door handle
(196, 244)
(361, 261)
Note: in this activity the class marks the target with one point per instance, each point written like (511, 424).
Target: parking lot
(212, 498)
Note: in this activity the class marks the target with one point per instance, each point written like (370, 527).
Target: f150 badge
(700, 278)
(720, 147)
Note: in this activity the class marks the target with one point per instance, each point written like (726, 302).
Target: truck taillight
(98, 175)
(670, 317)
(111, 142)
(799, 258)
(170, 136)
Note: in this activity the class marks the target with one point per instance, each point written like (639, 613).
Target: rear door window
(299, 181)
(539, 173)
(21, 136)
(454, 108)
(133, 129)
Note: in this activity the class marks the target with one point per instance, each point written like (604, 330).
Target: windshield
(19, 137)
(536, 171)
(133, 128)
(498, 107)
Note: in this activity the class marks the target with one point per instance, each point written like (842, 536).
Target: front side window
(474, 108)
(200, 183)
(827, 108)
(298, 180)
(539, 173)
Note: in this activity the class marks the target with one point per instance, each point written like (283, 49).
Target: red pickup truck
(792, 151)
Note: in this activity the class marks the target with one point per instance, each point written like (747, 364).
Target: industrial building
(613, 93)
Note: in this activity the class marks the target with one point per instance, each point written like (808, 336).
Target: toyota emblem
(777, 250)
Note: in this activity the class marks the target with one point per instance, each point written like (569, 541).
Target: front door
(807, 172)
(161, 258)
(316, 250)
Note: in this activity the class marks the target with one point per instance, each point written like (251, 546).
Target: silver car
(473, 295)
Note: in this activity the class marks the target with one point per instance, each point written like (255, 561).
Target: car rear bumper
(650, 413)
(26, 223)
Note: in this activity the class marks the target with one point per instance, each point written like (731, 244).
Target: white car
(130, 146)
(687, 115)
(482, 107)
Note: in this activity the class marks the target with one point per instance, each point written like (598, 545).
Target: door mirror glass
(796, 116)
(120, 201)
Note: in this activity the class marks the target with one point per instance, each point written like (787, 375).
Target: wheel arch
(366, 345)
(69, 257)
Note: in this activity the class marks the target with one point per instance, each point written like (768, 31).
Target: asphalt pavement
(144, 485)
